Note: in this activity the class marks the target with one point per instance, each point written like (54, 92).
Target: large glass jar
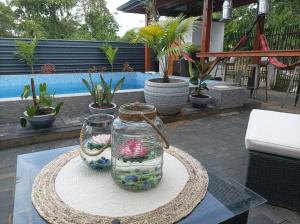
(95, 141)
(137, 148)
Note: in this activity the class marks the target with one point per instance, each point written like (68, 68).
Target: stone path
(217, 141)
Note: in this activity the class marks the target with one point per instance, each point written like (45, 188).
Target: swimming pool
(12, 85)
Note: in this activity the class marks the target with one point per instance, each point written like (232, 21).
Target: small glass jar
(137, 148)
(95, 141)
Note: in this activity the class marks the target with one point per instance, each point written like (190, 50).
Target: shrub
(48, 69)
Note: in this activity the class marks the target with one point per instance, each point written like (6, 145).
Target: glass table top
(224, 200)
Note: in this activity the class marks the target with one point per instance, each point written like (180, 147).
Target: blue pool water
(12, 85)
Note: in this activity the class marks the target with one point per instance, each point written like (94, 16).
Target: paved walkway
(217, 141)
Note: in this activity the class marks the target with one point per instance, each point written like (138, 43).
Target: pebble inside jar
(137, 149)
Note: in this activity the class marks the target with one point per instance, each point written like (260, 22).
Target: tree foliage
(46, 18)
(6, 20)
(91, 20)
(282, 14)
(58, 19)
(130, 36)
(100, 23)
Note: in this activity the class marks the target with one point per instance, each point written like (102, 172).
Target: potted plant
(102, 95)
(197, 97)
(166, 38)
(110, 54)
(26, 52)
(41, 114)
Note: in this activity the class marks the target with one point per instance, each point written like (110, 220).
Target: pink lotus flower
(133, 148)
(102, 139)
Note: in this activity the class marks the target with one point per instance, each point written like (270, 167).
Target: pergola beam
(164, 6)
(271, 53)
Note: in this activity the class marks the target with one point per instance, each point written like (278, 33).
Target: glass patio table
(226, 201)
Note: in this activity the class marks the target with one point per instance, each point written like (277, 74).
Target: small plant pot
(96, 110)
(200, 101)
(40, 121)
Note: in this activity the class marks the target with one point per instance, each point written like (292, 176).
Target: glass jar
(95, 141)
(137, 148)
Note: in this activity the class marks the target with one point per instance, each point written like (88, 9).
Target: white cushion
(274, 132)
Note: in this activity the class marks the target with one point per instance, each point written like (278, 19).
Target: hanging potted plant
(41, 114)
(198, 98)
(166, 38)
(102, 95)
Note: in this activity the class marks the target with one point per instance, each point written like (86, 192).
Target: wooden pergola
(205, 8)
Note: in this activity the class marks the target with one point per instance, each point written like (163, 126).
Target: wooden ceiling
(176, 7)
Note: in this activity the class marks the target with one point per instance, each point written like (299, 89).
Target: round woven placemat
(51, 208)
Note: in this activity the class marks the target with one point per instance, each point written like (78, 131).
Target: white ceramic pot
(110, 110)
(41, 121)
(200, 102)
(168, 98)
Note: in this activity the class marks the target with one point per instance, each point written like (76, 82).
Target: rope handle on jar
(167, 145)
(83, 149)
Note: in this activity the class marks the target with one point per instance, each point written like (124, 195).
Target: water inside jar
(137, 162)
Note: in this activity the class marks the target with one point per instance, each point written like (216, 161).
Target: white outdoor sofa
(273, 141)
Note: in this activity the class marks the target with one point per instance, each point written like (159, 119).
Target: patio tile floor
(217, 141)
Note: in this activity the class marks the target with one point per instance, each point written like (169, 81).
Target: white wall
(216, 38)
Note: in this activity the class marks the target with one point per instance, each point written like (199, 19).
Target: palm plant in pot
(102, 94)
(41, 114)
(166, 38)
(198, 98)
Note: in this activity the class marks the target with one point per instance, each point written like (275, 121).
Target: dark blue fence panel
(70, 56)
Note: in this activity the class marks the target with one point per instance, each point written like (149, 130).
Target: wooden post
(147, 49)
(260, 26)
(206, 27)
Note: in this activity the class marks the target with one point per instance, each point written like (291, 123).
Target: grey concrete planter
(199, 102)
(225, 96)
(111, 110)
(168, 98)
(40, 121)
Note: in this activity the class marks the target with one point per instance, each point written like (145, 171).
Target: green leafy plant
(102, 92)
(195, 68)
(26, 52)
(41, 105)
(110, 54)
(166, 38)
